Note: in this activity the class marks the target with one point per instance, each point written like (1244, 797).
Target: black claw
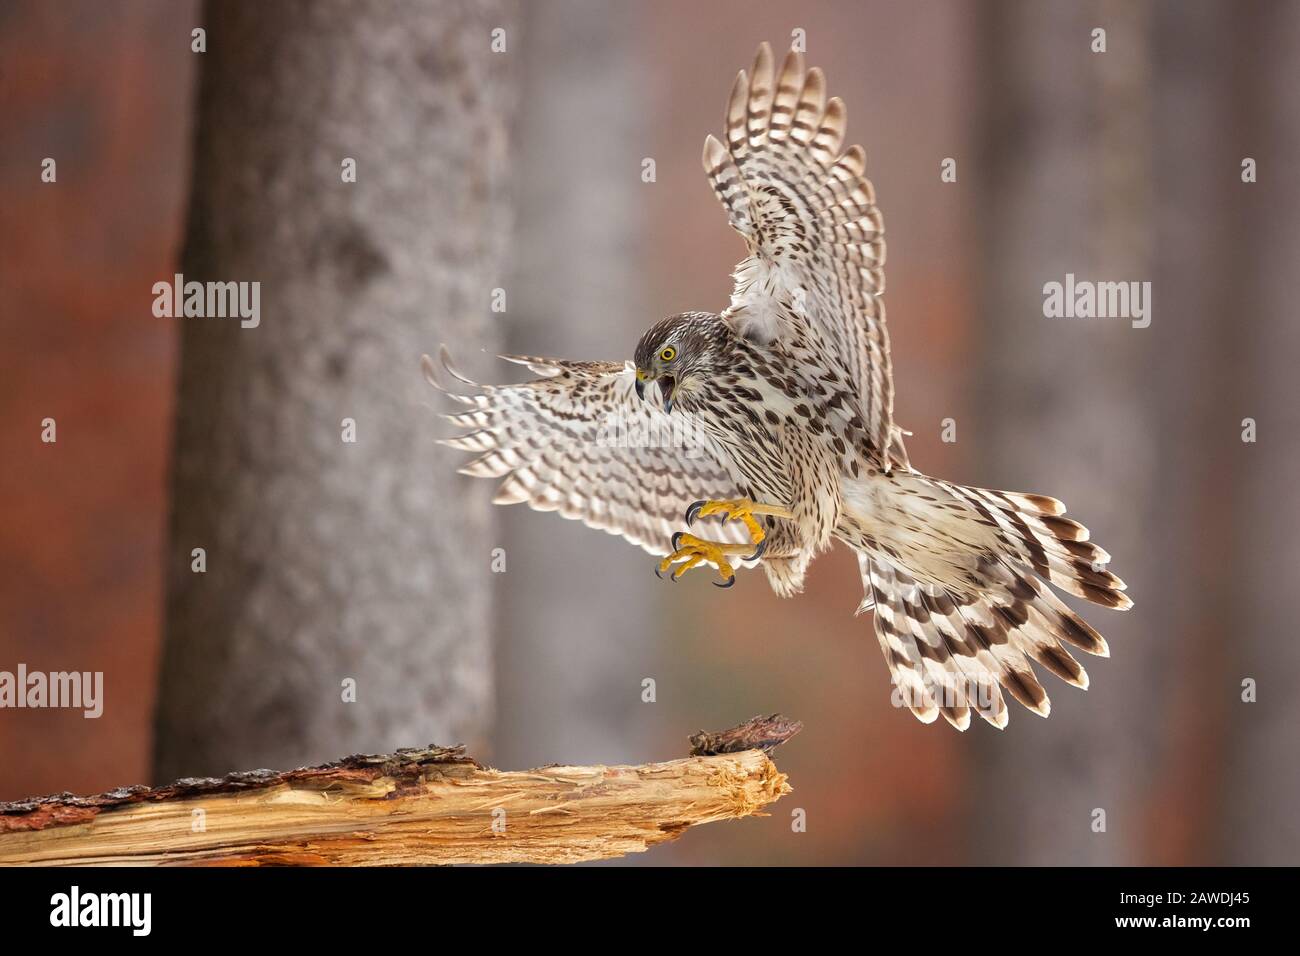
(676, 538)
(730, 582)
(758, 552)
(693, 512)
(657, 574)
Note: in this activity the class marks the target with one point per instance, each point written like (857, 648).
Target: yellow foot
(691, 551)
(739, 509)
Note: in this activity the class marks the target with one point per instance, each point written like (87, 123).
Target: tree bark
(432, 805)
(328, 560)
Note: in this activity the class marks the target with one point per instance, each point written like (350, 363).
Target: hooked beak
(667, 385)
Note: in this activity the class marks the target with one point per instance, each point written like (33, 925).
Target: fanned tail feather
(953, 647)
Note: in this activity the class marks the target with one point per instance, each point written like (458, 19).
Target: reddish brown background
(107, 89)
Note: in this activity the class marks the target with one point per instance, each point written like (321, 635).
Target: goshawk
(778, 415)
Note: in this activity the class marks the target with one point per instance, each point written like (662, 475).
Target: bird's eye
(668, 354)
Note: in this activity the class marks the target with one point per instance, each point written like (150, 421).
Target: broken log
(432, 805)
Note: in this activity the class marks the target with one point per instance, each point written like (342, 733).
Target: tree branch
(418, 806)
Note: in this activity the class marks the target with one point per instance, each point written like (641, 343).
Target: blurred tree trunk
(1138, 429)
(328, 560)
(572, 670)
(1263, 774)
(1063, 408)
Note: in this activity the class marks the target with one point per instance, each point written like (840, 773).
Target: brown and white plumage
(579, 442)
(786, 398)
(815, 269)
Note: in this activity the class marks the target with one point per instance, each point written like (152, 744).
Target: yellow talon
(691, 551)
(738, 509)
(730, 510)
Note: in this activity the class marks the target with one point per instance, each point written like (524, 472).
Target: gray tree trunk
(1062, 410)
(329, 560)
(1263, 771)
(570, 669)
(1139, 430)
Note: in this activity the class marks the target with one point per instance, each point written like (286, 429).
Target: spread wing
(579, 441)
(814, 274)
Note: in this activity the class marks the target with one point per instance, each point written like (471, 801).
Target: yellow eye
(668, 354)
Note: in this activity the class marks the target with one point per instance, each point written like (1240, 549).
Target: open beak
(667, 386)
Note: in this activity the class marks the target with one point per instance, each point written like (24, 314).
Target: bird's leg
(738, 509)
(691, 551)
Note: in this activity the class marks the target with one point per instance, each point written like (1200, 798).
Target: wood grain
(432, 805)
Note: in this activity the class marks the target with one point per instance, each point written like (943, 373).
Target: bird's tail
(961, 606)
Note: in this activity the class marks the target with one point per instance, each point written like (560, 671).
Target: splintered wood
(427, 806)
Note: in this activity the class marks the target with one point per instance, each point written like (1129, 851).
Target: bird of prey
(771, 423)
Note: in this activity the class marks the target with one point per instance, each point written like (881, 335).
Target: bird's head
(677, 354)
